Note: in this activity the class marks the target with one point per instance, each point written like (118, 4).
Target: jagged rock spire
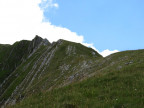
(36, 42)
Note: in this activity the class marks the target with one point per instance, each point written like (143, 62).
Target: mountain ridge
(39, 52)
(69, 75)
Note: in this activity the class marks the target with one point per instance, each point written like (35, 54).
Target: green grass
(110, 88)
(11, 57)
(112, 82)
(60, 58)
(15, 81)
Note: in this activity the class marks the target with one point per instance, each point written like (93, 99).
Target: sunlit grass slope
(119, 83)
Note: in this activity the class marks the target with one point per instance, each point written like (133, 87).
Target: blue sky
(108, 24)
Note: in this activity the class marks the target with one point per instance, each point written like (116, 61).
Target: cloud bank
(108, 52)
(23, 19)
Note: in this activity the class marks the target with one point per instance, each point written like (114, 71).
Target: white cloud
(48, 4)
(104, 53)
(108, 52)
(22, 19)
(56, 5)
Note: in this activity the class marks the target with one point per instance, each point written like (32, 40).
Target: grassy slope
(11, 56)
(119, 84)
(11, 69)
(19, 75)
(76, 55)
(61, 58)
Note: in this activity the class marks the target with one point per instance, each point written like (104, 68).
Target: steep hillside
(63, 74)
(118, 83)
(42, 66)
(11, 56)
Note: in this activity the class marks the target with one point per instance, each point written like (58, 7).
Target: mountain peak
(38, 37)
(38, 40)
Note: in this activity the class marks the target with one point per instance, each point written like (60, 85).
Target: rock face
(38, 65)
(36, 42)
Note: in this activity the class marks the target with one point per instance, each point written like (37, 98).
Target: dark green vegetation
(68, 75)
(11, 57)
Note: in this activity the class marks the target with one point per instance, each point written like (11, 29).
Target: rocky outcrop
(36, 42)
